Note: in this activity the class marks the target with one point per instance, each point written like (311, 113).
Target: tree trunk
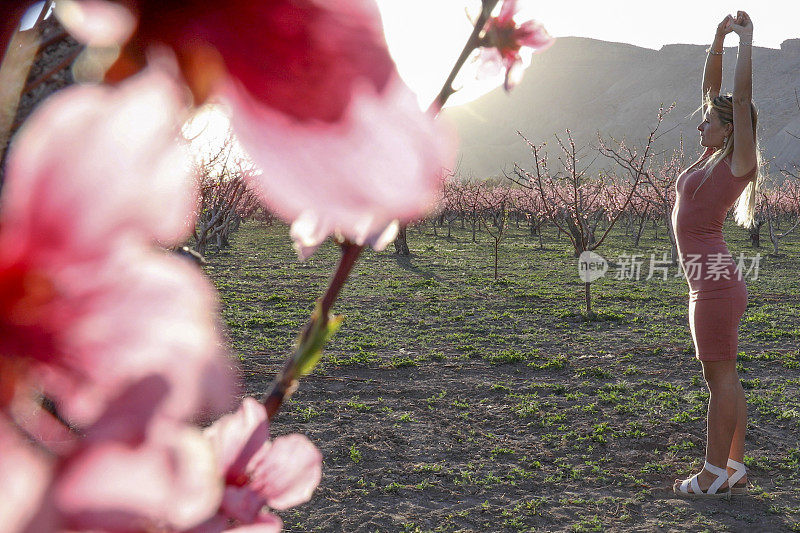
(588, 298)
(755, 234)
(496, 245)
(639, 232)
(474, 221)
(773, 235)
(400, 243)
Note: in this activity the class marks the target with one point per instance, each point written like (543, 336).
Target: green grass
(450, 402)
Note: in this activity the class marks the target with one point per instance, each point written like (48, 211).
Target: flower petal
(241, 504)
(96, 22)
(93, 164)
(533, 35)
(136, 314)
(508, 10)
(310, 54)
(24, 478)
(236, 437)
(265, 523)
(287, 471)
(169, 482)
(383, 162)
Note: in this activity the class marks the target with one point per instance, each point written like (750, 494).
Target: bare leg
(726, 413)
(737, 443)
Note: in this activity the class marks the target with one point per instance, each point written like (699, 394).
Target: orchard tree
(657, 181)
(573, 201)
(495, 202)
(781, 200)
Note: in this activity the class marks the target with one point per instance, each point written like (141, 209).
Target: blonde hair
(745, 205)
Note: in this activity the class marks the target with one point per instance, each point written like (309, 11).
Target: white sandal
(682, 490)
(740, 472)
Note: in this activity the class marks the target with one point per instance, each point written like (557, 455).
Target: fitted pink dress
(717, 294)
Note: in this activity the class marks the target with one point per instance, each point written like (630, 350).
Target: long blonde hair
(745, 206)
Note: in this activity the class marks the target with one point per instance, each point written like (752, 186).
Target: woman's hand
(742, 25)
(726, 26)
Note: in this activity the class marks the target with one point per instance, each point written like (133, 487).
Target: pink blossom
(86, 304)
(380, 164)
(121, 335)
(311, 54)
(504, 39)
(97, 164)
(342, 143)
(258, 472)
(169, 482)
(129, 470)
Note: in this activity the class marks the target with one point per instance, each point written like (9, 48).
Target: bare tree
(781, 201)
(494, 215)
(225, 201)
(658, 182)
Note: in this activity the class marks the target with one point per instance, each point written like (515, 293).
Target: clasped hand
(740, 24)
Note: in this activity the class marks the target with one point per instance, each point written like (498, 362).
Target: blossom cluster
(110, 353)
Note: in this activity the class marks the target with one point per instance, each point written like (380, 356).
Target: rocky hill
(588, 86)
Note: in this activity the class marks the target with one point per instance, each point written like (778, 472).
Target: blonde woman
(725, 174)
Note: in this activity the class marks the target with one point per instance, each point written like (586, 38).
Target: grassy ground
(450, 401)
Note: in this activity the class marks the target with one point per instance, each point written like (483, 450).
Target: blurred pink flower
(86, 303)
(130, 470)
(310, 53)
(167, 483)
(503, 40)
(121, 335)
(259, 472)
(382, 163)
(97, 164)
(341, 140)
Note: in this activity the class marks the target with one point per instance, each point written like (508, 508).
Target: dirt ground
(451, 401)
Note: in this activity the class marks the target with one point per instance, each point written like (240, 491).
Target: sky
(426, 36)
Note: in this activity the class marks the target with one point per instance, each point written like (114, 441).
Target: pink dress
(717, 294)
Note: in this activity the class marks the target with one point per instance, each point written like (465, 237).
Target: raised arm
(712, 75)
(744, 141)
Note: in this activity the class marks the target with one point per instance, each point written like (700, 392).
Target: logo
(591, 266)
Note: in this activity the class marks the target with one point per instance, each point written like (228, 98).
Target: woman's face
(712, 130)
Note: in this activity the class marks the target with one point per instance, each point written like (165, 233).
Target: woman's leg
(726, 412)
(737, 443)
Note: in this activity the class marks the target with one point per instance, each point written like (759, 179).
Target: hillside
(588, 85)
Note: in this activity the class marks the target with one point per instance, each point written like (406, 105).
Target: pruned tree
(575, 202)
(781, 200)
(224, 200)
(657, 180)
(494, 215)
